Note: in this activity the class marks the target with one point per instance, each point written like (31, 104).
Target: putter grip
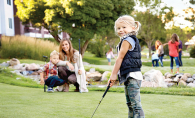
(106, 90)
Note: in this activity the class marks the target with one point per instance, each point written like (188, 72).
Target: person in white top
(159, 51)
(71, 68)
(109, 55)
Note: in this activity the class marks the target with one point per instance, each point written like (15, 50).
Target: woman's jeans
(132, 93)
(161, 59)
(176, 61)
(180, 61)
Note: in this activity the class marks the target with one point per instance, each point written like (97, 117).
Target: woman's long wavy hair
(157, 44)
(63, 53)
(174, 38)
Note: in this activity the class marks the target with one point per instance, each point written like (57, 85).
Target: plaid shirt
(49, 70)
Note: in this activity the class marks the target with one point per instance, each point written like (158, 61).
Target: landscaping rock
(169, 75)
(104, 75)
(155, 76)
(4, 64)
(168, 80)
(20, 67)
(177, 78)
(191, 85)
(166, 75)
(188, 75)
(171, 84)
(32, 66)
(189, 80)
(92, 70)
(184, 78)
(194, 82)
(14, 61)
(181, 82)
(193, 76)
(95, 76)
(149, 84)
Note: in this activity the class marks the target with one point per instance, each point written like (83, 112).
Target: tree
(152, 27)
(152, 21)
(89, 17)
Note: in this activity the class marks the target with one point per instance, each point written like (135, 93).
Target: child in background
(155, 60)
(50, 72)
(128, 64)
(110, 54)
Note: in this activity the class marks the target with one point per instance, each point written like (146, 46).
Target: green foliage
(26, 47)
(192, 52)
(98, 46)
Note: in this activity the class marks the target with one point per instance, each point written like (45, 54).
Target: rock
(169, 75)
(190, 80)
(168, 80)
(184, 78)
(171, 84)
(14, 61)
(20, 67)
(166, 74)
(194, 82)
(193, 76)
(155, 76)
(191, 85)
(104, 76)
(32, 66)
(4, 64)
(92, 70)
(188, 75)
(181, 82)
(177, 78)
(149, 84)
(95, 76)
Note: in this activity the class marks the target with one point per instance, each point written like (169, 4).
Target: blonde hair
(54, 53)
(129, 21)
(71, 50)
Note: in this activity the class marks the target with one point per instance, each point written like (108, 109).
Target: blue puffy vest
(132, 60)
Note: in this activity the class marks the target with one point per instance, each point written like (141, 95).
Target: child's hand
(112, 80)
(71, 67)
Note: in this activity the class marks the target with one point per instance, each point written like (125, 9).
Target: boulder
(168, 80)
(104, 76)
(149, 84)
(95, 76)
(188, 75)
(169, 75)
(14, 61)
(193, 76)
(191, 85)
(194, 82)
(184, 78)
(32, 66)
(189, 80)
(166, 75)
(177, 78)
(155, 76)
(181, 82)
(20, 67)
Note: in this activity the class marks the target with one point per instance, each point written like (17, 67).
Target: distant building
(11, 26)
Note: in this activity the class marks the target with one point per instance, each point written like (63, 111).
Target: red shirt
(173, 49)
(49, 68)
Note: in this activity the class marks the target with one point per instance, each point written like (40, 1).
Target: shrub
(192, 52)
(25, 47)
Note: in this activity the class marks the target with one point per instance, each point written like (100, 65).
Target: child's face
(123, 28)
(54, 59)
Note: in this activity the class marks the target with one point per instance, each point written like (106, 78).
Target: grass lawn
(24, 102)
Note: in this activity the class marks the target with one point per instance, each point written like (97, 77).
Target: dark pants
(176, 61)
(68, 76)
(155, 63)
(54, 81)
(180, 61)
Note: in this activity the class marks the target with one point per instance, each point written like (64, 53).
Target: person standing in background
(159, 51)
(180, 52)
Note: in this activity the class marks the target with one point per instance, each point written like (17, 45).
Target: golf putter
(102, 98)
